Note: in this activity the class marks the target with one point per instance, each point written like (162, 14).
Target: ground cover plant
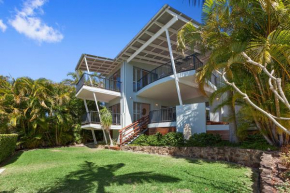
(255, 141)
(81, 169)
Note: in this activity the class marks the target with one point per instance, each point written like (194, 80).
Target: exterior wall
(192, 115)
(129, 96)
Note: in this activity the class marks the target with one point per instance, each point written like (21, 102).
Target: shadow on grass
(11, 159)
(93, 178)
(228, 187)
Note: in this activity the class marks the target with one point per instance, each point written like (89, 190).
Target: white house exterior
(150, 78)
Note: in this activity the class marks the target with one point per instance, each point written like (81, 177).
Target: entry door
(140, 110)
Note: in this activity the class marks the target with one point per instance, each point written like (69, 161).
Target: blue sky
(45, 38)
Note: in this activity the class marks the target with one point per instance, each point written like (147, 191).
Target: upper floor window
(138, 73)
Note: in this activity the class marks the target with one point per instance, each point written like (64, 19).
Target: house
(149, 86)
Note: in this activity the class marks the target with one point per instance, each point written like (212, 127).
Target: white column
(89, 117)
(173, 67)
(95, 98)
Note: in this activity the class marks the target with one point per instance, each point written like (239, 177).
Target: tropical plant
(43, 113)
(249, 46)
(106, 121)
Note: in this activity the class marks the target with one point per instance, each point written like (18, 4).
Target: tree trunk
(111, 141)
(233, 124)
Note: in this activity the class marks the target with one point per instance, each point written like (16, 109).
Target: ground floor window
(140, 110)
(116, 112)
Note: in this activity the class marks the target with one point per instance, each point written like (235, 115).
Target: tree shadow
(93, 178)
(11, 159)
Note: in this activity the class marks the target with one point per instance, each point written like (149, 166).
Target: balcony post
(173, 67)
(95, 98)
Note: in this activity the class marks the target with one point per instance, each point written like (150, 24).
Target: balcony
(159, 84)
(165, 70)
(163, 115)
(104, 89)
(92, 120)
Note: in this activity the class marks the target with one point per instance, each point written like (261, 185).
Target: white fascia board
(99, 127)
(98, 90)
(217, 127)
(162, 30)
(164, 124)
(180, 17)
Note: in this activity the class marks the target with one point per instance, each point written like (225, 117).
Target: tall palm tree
(238, 34)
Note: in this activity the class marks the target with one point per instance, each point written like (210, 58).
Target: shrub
(256, 141)
(155, 140)
(141, 140)
(204, 139)
(173, 139)
(7, 145)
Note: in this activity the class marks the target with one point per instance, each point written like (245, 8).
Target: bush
(7, 145)
(155, 140)
(204, 139)
(256, 141)
(173, 139)
(141, 140)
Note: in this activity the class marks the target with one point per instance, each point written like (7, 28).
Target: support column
(89, 117)
(95, 98)
(173, 67)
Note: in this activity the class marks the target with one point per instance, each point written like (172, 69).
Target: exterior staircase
(131, 132)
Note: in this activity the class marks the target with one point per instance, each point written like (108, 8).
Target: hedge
(7, 145)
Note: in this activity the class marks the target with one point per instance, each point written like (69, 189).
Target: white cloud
(3, 27)
(26, 22)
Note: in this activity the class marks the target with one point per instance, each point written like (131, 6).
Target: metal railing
(99, 82)
(93, 117)
(183, 64)
(163, 115)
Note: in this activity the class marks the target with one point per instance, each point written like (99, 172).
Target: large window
(115, 109)
(140, 110)
(138, 73)
(115, 84)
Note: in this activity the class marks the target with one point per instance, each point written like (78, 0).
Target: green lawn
(81, 169)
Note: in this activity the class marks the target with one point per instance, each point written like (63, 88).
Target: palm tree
(106, 121)
(248, 40)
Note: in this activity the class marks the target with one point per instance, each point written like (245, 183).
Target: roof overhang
(102, 65)
(149, 46)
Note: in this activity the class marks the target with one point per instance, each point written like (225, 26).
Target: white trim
(99, 127)
(99, 90)
(164, 124)
(170, 23)
(217, 127)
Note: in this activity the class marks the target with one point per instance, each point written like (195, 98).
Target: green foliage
(42, 112)
(260, 30)
(141, 140)
(173, 139)
(204, 139)
(7, 145)
(256, 141)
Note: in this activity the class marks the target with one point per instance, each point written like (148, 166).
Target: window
(140, 110)
(207, 111)
(115, 81)
(138, 73)
(115, 109)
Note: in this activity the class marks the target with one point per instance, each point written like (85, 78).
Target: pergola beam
(162, 30)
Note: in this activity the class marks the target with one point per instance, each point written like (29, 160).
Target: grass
(81, 169)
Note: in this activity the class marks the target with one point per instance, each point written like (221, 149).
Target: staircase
(131, 132)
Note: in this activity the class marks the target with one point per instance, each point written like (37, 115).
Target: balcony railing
(163, 115)
(98, 82)
(181, 65)
(93, 117)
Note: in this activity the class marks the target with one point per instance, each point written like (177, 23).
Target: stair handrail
(137, 123)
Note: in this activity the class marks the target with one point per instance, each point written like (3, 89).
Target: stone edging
(267, 162)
